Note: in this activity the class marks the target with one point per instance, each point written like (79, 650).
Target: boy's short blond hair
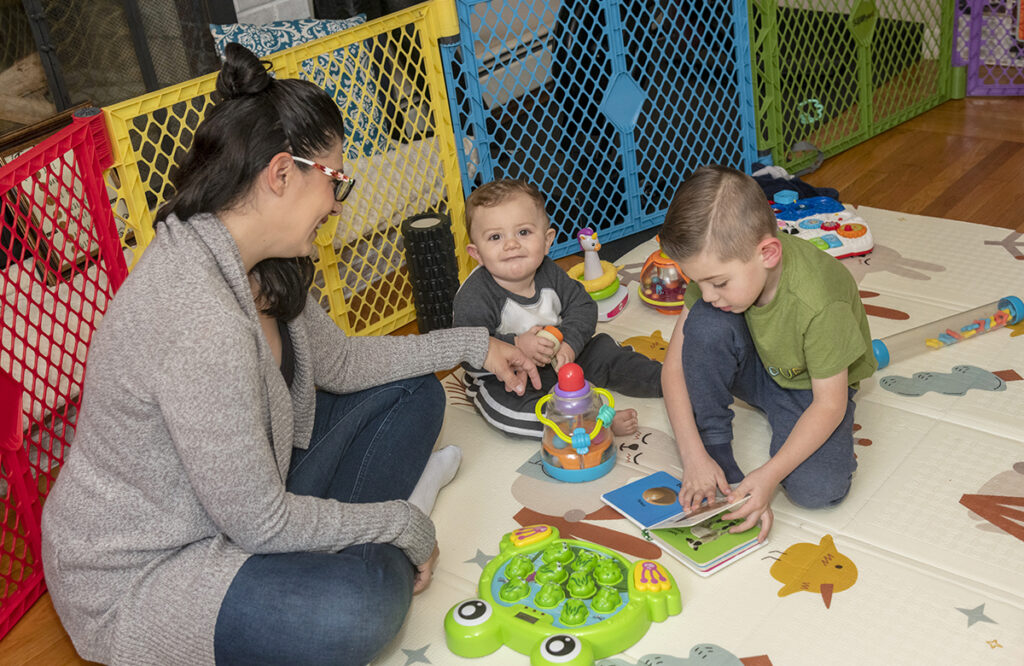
(499, 191)
(718, 210)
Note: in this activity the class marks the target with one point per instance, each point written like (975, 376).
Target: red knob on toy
(570, 378)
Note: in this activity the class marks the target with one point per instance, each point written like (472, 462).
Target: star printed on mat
(994, 643)
(417, 656)
(976, 615)
(481, 558)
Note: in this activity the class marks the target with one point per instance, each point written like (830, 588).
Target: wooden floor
(963, 160)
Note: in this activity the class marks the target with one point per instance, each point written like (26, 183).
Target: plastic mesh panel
(698, 97)
(604, 106)
(58, 251)
(94, 46)
(386, 78)
(833, 73)
(988, 43)
(15, 43)
(21, 581)
(96, 50)
(159, 139)
(906, 71)
(17, 39)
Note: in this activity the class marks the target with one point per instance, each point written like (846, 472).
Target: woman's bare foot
(625, 422)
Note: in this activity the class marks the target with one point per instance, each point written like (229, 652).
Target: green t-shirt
(815, 325)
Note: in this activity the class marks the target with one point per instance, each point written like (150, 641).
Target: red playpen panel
(60, 264)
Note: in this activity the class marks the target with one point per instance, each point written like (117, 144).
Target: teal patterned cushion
(346, 75)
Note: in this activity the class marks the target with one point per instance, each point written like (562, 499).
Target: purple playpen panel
(986, 42)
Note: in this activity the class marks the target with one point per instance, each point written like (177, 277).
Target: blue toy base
(579, 475)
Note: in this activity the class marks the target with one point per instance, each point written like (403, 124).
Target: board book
(700, 539)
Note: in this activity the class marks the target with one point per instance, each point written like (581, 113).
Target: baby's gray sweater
(177, 469)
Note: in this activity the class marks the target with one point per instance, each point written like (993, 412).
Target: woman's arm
(344, 364)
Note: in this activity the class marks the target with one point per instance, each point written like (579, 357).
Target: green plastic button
(549, 595)
(514, 590)
(606, 600)
(581, 585)
(573, 612)
(519, 566)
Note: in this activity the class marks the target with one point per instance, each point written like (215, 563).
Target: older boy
(516, 291)
(774, 321)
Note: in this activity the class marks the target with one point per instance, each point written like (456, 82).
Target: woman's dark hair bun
(242, 73)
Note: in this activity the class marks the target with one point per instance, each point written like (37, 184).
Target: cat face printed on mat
(650, 449)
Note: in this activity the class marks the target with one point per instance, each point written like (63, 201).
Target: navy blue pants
(720, 362)
(338, 608)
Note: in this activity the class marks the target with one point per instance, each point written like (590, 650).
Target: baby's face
(511, 240)
(730, 286)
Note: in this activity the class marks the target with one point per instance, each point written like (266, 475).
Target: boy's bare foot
(625, 422)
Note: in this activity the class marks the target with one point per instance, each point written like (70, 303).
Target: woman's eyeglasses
(342, 188)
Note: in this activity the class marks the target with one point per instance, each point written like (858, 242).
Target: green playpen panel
(829, 74)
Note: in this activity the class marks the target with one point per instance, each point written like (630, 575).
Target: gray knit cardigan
(183, 443)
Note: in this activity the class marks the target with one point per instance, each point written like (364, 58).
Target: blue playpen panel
(605, 106)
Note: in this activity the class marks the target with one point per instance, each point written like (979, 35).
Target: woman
(215, 505)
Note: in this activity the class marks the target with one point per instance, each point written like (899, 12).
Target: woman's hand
(425, 572)
(511, 365)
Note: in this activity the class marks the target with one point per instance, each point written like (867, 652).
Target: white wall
(265, 11)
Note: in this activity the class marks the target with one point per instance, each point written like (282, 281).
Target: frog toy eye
(560, 648)
(472, 612)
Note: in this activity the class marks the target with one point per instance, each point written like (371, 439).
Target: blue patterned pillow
(346, 75)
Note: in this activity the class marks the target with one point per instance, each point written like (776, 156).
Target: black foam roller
(433, 269)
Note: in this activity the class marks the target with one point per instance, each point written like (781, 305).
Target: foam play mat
(923, 563)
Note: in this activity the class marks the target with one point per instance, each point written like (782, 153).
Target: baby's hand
(539, 350)
(564, 355)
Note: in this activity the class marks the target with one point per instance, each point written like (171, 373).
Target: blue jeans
(720, 362)
(338, 608)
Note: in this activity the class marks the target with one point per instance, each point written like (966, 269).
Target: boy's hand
(565, 354)
(702, 479)
(760, 485)
(539, 350)
(511, 366)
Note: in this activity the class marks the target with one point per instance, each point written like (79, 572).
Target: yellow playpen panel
(387, 77)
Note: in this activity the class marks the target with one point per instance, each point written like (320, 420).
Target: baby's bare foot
(625, 422)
